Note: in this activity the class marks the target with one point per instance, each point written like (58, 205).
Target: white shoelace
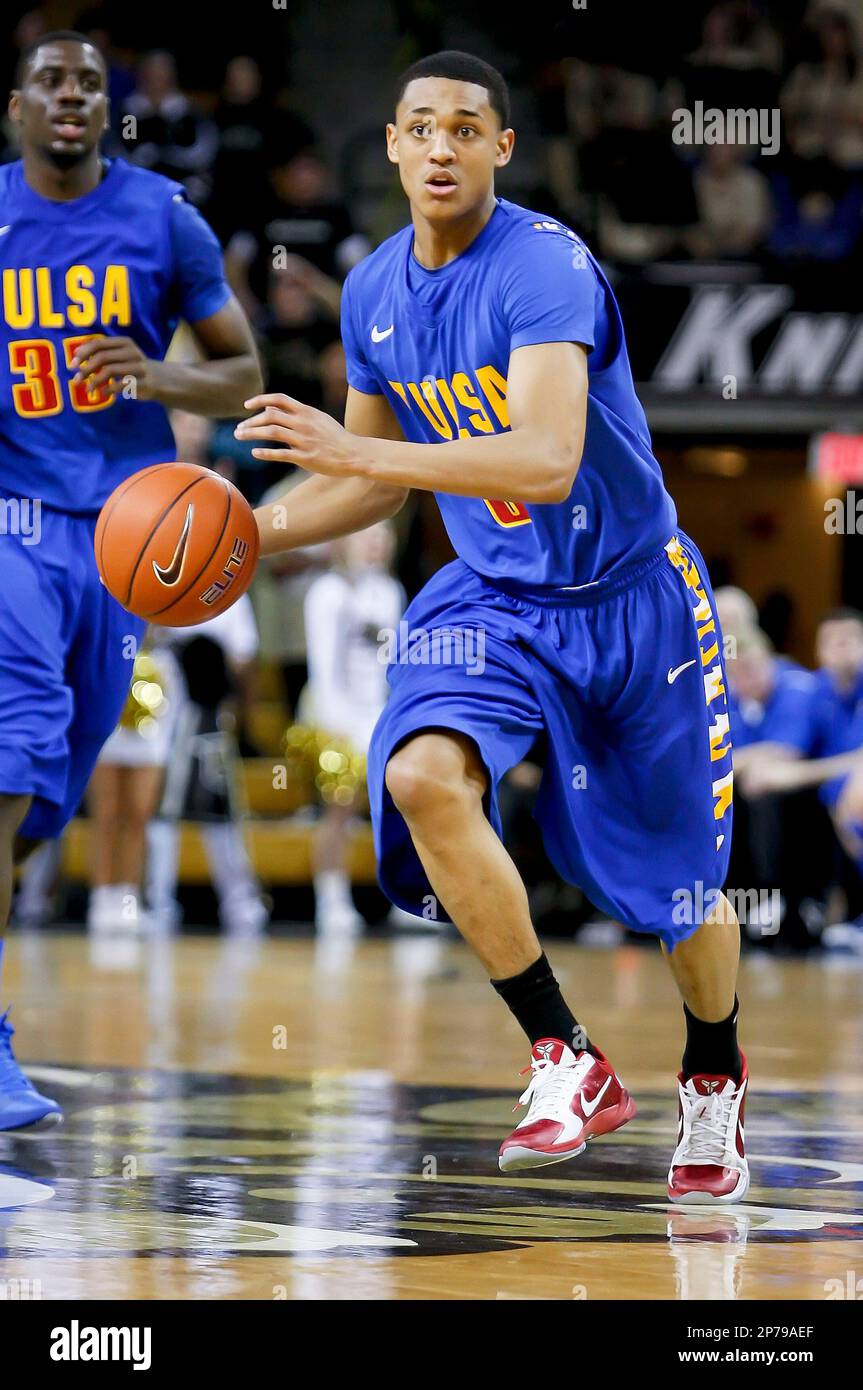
(708, 1122)
(552, 1085)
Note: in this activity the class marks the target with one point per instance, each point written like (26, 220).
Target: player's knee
(429, 774)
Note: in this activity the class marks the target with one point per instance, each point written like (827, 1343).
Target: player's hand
(764, 775)
(310, 438)
(116, 365)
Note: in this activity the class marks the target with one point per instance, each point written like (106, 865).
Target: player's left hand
(312, 439)
(117, 365)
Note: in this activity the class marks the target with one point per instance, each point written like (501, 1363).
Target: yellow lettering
(49, 317)
(494, 389)
(722, 791)
(428, 404)
(116, 304)
(19, 301)
(713, 686)
(399, 390)
(82, 301)
(718, 730)
(461, 384)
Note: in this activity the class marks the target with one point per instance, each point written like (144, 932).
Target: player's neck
(435, 245)
(58, 184)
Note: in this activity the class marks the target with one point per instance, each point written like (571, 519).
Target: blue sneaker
(21, 1106)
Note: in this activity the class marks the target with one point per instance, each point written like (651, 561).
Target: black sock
(711, 1048)
(534, 998)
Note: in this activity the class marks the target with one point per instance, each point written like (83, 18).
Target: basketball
(176, 544)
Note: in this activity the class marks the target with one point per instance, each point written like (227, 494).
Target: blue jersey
(437, 344)
(787, 716)
(129, 258)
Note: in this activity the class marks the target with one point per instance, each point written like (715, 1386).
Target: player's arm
(200, 295)
(217, 386)
(323, 508)
(536, 460)
(790, 774)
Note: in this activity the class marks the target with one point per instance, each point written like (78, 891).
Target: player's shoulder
(531, 229)
(145, 185)
(10, 178)
(376, 269)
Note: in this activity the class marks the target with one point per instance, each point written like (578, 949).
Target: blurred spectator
(298, 325)
(818, 212)
(734, 208)
(737, 611)
(218, 660)
(735, 64)
(777, 838)
(249, 128)
(168, 135)
(645, 194)
(279, 594)
(123, 796)
(345, 612)
(301, 216)
(823, 98)
(119, 63)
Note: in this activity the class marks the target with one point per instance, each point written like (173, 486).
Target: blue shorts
(66, 654)
(626, 679)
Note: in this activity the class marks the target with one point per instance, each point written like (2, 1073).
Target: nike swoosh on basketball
(674, 672)
(170, 574)
(588, 1106)
(378, 334)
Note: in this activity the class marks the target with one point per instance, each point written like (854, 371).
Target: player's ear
(14, 107)
(392, 143)
(505, 146)
(107, 124)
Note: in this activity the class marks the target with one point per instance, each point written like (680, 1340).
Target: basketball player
(490, 332)
(100, 261)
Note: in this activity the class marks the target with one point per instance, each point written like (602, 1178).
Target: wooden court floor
(286, 1120)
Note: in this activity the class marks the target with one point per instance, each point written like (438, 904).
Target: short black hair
(841, 615)
(461, 67)
(56, 36)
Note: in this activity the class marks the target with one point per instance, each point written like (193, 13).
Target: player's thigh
(99, 674)
(35, 702)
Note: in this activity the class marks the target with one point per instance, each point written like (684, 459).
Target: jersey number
(508, 513)
(40, 393)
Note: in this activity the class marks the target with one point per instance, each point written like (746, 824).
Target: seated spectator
(735, 65)
(772, 712)
(301, 216)
(817, 213)
(297, 326)
(167, 134)
(824, 97)
(645, 193)
(249, 127)
(734, 208)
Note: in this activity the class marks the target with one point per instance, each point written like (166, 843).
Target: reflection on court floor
(263, 1120)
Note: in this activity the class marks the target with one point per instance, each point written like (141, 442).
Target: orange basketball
(176, 544)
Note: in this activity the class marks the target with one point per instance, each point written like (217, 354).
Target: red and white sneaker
(572, 1098)
(709, 1163)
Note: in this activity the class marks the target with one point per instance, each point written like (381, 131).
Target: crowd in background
(606, 163)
